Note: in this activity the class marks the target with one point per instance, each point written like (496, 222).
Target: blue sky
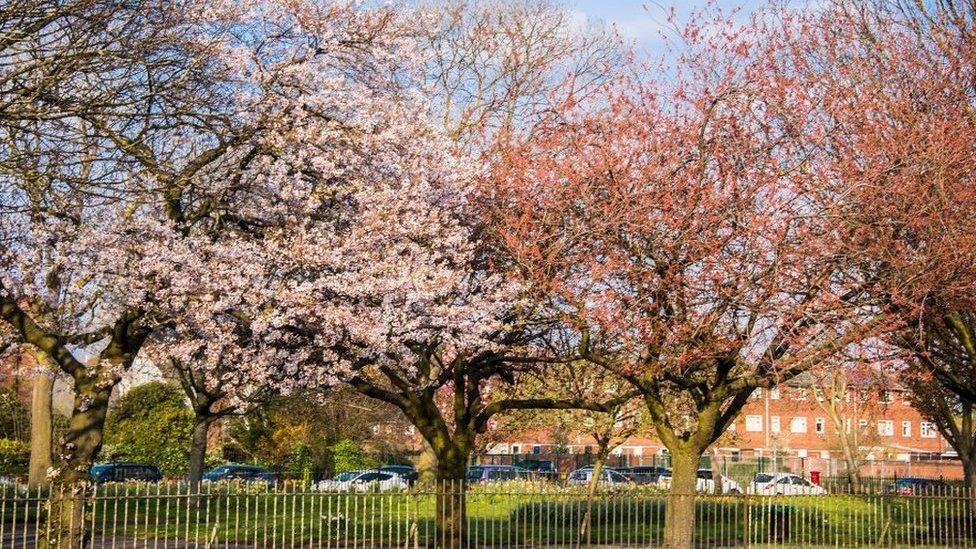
(642, 20)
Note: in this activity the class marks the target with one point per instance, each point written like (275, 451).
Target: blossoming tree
(674, 227)
(895, 135)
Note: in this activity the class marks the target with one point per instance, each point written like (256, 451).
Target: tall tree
(673, 225)
(142, 163)
(896, 129)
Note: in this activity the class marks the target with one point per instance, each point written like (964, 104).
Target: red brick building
(794, 422)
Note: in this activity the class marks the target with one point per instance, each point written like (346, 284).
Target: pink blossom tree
(131, 202)
(674, 225)
(894, 130)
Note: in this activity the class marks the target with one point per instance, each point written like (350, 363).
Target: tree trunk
(601, 457)
(969, 480)
(198, 450)
(83, 440)
(41, 429)
(70, 499)
(450, 505)
(679, 520)
(66, 528)
(853, 467)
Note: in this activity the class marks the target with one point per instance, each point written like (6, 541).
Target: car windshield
(347, 475)
(221, 469)
(475, 473)
(763, 477)
(99, 468)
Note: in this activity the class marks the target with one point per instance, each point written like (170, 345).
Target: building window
(887, 397)
(754, 424)
(821, 425)
(800, 394)
(824, 454)
(736, 454)
(516, 449)
(906, 428)
(862, 424)
(774, 393)
(798, 425)
(801, 453)
(818, 394)
(774, 424)
(886, 427)
(536, 449)
(732, 427)
(756, 394)
(926, 430)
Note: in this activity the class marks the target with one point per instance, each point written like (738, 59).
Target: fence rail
(170, 515)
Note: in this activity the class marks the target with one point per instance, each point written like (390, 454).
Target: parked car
(784, 484)
(645, 474)
(705, 483)
(541, 466)
(608, 476)
(406, 472)
(483, 474)
(122, 472)
(244, 473)
(913, 486)
(370, 480)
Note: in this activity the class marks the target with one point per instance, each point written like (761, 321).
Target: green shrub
(14, 457)
(347, 456)
(150, 424)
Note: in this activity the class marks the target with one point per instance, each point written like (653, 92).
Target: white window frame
(820, 426)
(754, 424)
(774, 424)
(906, 429)
(927, 429)
(774, 393)
(798, 424)
(886, 428)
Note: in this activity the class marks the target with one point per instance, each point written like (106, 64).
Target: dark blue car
(911, 486)
(244, 473)
(123, 472)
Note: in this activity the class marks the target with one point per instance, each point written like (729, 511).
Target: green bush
(14, 457)
(150, 424)
(347, 456)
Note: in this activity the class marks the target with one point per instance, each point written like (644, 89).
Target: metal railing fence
(521, 514)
